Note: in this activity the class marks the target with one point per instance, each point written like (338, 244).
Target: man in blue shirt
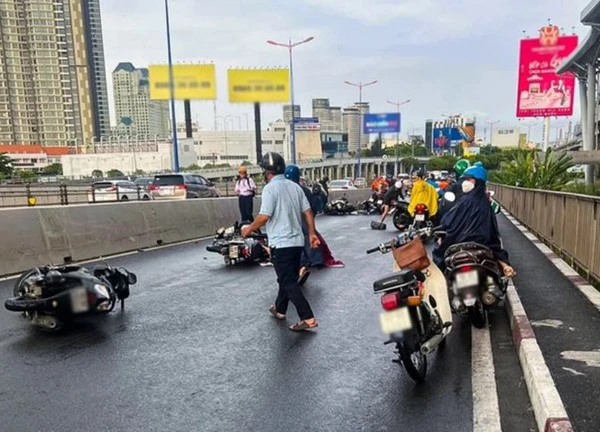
(283, 206)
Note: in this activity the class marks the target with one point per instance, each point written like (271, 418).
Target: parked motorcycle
(51, 296)
(417, 317)
(340, 206)
(236, 249)
(476, 280)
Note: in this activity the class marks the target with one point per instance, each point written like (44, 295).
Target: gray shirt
(284, 202)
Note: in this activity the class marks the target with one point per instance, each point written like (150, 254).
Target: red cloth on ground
(327, 255)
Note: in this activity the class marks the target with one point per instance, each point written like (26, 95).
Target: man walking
(245, 188)
(283, 206)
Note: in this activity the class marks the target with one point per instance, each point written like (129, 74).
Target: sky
(446, 56)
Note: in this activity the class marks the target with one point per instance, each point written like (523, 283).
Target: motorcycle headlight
(101, 292)
(230, 231)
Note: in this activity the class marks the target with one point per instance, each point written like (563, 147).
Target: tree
(6, 167)
(445, 162)
(97, 174)
(192, 167)
(536, 170)
(376, 149)
(246, 163)
(55, 169)
(113, 173)
(139, 172)
(27, 175)
(411, 164)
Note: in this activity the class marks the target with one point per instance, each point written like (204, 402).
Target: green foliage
(27, 175)
(113, 173)
(6, 167)
(246, 163)
(223, 165)
(410, 164)
(55, 169)
(192, 167)
(139, 172)
(376, 149)
(445, 162)
(406, 150)
(538, 171)
(583, 189)
(97, 174)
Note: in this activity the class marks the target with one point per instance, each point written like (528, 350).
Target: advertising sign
(445, 138)
(541, 92)
(194, 82)
(258, 85)
(381, 123)
(306, 119)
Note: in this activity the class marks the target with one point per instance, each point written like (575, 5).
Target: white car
(117, 190)
(338, 185)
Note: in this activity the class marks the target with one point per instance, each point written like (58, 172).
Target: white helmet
(398, 184)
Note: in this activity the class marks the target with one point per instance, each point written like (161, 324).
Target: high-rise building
(351, 120)
(364, 109)
(136, 114)
(287, 113)
(329, 117)
(52, 87)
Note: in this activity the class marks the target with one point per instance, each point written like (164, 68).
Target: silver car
(116, 190)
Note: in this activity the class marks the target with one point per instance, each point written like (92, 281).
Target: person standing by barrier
(245, 188)
(283, 207)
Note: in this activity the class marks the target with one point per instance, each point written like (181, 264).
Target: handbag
(412, 255)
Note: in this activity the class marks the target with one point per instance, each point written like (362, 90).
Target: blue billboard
(445, 138)
(302, 120)
(382, 123)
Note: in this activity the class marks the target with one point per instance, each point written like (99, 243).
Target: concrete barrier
(54, 235)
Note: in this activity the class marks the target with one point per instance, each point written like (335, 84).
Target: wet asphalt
(196, 350)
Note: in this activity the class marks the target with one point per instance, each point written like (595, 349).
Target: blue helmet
(292, 172)
(479, 164)
(476, 172)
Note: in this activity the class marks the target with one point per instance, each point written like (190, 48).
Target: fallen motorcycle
(51, 296)
(417, 317)
(236, 249)
(339, 207)
(373, 205)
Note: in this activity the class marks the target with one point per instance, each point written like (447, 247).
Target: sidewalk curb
(550, 413)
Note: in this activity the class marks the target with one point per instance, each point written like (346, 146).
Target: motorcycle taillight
(421, 208)
(391, 301)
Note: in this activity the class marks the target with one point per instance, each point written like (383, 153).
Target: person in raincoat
(472, 220)
(423, 193)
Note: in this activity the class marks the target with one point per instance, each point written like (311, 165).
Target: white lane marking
(573, 371)
(121, 255)
(591, 293)
(590, 358)
(548, 323)
(486, 411)
(339, 238)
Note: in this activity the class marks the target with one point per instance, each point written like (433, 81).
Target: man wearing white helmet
(394, 193)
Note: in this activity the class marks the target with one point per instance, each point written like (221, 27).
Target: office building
(364, 109)
(351, 123)
(136, 114)
(287, 113)
(52, 89)
(506, 137)
(329, 117)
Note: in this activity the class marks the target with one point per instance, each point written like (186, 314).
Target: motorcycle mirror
(131, 278)
(450, 196)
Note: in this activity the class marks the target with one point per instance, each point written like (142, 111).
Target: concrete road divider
(55, 235)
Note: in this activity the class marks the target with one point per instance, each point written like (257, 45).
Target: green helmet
(461, 166)
(478, 164)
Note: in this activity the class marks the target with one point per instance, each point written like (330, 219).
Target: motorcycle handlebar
(373, 250)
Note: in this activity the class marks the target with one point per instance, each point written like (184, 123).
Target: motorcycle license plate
(234, 251)
(380, 202)
(467, 279)
(395, 321)
(79, 300)
(420, 217)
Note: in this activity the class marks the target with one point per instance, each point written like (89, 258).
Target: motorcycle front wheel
(413, 360)
(477, 315)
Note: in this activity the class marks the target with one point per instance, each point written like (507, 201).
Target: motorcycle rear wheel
(415, 363)
(477, 315)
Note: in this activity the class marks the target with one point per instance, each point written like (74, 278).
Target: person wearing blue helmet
(472, 220)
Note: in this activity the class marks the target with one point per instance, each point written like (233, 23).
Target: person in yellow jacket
(422, 193)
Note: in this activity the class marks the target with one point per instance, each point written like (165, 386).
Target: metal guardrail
(570, 223)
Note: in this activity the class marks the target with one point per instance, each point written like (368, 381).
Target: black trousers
(246, 208)
(287, 266)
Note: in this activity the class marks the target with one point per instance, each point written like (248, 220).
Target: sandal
(276, 314)
(304, 325)
(303, 276)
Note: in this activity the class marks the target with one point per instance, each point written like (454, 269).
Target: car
(116, 190)
(182, 186)
(144, 182)
(338, 185)
(360, 182)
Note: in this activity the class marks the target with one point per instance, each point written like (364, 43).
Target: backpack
(316, 189)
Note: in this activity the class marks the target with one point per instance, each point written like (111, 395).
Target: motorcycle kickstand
(122, 305)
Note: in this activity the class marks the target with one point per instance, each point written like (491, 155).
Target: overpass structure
(332, 168)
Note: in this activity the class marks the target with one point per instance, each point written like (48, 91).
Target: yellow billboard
(194, 82)
(258, 85)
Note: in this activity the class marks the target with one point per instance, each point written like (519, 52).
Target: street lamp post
(360, 86)
(172, 90)
(290, 46)
(398, 105)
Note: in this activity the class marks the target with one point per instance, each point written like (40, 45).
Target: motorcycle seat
(395, 281)
(470, 247)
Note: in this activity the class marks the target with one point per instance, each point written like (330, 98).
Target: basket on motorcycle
(397, 281)
(412, 255)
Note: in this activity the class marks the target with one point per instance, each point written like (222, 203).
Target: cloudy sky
(447, 56)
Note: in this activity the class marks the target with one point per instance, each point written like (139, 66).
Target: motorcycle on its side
(417, 317)
(51, 296)
(340, 207)
(236, 249)
(373, 205)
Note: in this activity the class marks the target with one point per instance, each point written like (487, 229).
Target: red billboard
(541, 92)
